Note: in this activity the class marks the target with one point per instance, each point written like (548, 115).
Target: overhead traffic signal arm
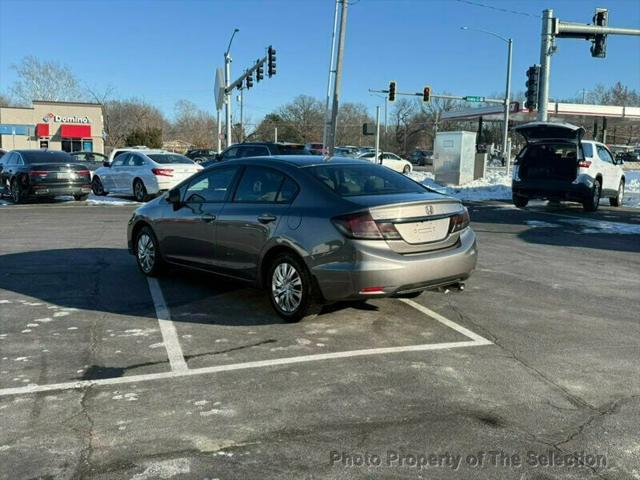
(392, 91)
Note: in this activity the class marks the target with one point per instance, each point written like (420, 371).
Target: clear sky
(165, 50)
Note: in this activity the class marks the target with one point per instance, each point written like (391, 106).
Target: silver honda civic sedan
(309, 231)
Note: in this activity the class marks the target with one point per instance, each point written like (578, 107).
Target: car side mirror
(218, 157)
(106, 164)
(173, 197)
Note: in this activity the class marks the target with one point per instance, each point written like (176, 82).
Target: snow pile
(632, 189)
(109, 200)
(493, 186)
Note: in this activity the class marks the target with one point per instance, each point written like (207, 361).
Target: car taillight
(362, 226)
(84, 173)
(584, 163)
(459, 222)
(163, 172)
(38, 173)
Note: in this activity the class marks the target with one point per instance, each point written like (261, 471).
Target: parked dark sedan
(309, 231)
(257, 149)
(201, 155)
(28, 174)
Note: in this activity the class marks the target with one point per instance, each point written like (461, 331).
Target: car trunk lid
(59, 172)
(548, 131)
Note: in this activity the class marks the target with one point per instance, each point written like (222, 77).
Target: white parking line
(179, 367)
(167, 328)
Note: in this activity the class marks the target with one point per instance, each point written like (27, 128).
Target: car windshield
(358, 180)
(169, 158)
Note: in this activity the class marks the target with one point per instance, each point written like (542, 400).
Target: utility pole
(377, 134)
(338, 80)
(546, 49)
(241, 99)
(219, 122)
(327, 107)
(227, 83)
(506, 150)
(275, 134)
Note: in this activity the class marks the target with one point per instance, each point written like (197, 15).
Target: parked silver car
(310, 231)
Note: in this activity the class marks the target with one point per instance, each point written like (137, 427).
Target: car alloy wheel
(16, 194)
(286, 288)
(96, 187)
(139, 192)
(406, 169)
(146, 252)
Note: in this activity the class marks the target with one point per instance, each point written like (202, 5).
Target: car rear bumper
(396, 273)
(555, 189)
(44, 190)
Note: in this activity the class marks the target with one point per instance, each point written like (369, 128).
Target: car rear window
(168, 158)
(47, 157)
(292, 150)
(358, 180)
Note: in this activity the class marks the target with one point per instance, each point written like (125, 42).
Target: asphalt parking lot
(106, 375)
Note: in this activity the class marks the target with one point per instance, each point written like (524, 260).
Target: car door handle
(208, 218)
(266, 218)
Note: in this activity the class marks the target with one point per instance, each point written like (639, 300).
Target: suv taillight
(362, 226)
(460, 221)
(584, 163)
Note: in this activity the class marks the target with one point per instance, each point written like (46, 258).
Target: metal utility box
(454, 155)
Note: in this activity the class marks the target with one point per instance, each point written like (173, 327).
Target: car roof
(298, 160)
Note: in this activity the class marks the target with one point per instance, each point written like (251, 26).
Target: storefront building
(67, 126)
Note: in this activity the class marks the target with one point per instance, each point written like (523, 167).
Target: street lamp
(505, 153)
(227, 81)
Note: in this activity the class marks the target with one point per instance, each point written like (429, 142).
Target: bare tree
(193, 125)
(5, 101)
(305, 116)
(126, 116)
(351, 116)
(43, 80)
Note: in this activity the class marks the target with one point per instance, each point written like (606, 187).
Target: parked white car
(390, 160)
(117, 151)
(556, 164)
(143, 173)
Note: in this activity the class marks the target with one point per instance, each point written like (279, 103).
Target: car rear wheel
(406, 169)
(81, 198)
(140, 191)
(619, 198)
(591, 203)
(291, 288)
(97, 187)
(16, 192)
(147, 252)
(520, 201)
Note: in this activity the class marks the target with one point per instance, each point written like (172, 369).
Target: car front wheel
(16, 192)
(140, 191)
(520, 201)
(619, 198)
(406, 170)
(97, 187)
(147, 252)
(291, 288)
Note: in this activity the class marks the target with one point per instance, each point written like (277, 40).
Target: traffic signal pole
(338, 81)
(553, 28)
(506, 151)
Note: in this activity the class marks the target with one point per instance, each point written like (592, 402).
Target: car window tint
(288, 191)
(166, 158)
(137, 160)
(254, 151)
(356, 180)
(603, 153)
(211, 186)
(259, 185)
(231, 153)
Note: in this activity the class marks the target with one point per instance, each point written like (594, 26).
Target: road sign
(473, 99)
(218, 89)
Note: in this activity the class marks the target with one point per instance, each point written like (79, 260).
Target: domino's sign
(50, 117)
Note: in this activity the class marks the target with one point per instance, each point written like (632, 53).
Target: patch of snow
(539, 223)
(225, 412)
(164, 469)
(110, 200)
(601, 226)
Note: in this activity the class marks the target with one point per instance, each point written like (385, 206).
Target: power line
(504, 10)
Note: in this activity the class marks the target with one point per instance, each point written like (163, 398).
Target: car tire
(97, 187)
(140, 191)
(81, 198)
(619, 198)
(591, 203)
(520, 201)
(147, 252)
(16, 192)
(406, 170)
(291, 289)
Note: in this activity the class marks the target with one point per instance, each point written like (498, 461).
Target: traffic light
(533, 84)
(260, 72)
(392, 91)
(249, 81)
(426, 95)
(271, 59)
(599, 42)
